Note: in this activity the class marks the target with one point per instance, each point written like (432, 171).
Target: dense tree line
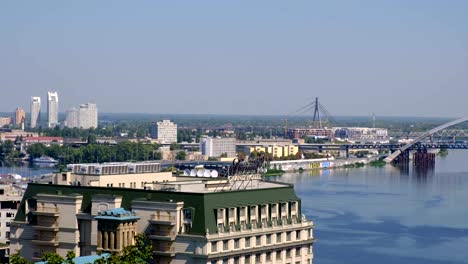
(8, 151)
(90, 153)
(192, 127)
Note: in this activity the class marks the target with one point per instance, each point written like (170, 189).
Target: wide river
(387, 215)
(381, 215)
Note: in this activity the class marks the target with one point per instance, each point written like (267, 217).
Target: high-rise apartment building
(215, 147)
(165, 131)
(72, 118)
(35, 111)
(52, 109)
(88, 116)
(193, 220)
(20, 116)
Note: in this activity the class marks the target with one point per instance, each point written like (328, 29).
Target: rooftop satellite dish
(186, 172)
(193, 173)
(200, 173)
(214, 174)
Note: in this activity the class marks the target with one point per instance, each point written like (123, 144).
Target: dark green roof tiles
(202, 204)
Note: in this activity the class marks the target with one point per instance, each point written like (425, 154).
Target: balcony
(162, 235)
(259, 228)
(164, 251)
(47, 211)
(45, 240)
(53, 227)
(163, 219)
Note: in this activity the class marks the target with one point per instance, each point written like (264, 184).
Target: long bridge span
(418, 140)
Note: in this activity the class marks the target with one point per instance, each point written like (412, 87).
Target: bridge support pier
(422, 158)
(402, 159)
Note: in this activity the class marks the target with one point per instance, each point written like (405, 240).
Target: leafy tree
(69, 258)
(52, 258)
(8, 150)
(49, 258)
(36, 150)
(174, 146)
(18, 259)
(139, 253)
(91, 139)
(181, 155)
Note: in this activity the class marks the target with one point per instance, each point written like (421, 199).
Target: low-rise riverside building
(242, 219)
(277, 151)
(113, 174)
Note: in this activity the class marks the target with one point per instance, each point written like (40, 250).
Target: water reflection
(388, 214)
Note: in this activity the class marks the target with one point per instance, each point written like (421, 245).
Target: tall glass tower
(52, 109)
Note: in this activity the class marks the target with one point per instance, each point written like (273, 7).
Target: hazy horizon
(392, 58)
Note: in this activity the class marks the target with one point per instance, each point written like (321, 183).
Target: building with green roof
(235, 220)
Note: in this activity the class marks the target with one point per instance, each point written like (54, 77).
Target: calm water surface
(26, 171)
(387, 215)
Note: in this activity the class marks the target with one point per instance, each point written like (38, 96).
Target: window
(247, 242)
(214, 246)
(258, 257)
(268, 256)
(187, 213)
(225, 245)
(236, 260)
(247, 259)
(278, 254)
(268, 239)
(298, 235)
(298, 251)
(64, 177)
(288, 236)
(7, 223)
(288, 253)
(278, 237)
(9, 214)
(236, 243)
(258, 240)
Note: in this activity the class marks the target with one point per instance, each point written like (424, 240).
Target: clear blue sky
(238, 57)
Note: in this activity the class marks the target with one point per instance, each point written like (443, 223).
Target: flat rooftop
(215, 185)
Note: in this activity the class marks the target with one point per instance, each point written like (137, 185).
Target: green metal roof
(204, 205)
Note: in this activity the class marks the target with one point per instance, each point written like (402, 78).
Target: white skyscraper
(165, 131)
(72, 118)
(88, 116)
(52, 109)
(35, 111)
